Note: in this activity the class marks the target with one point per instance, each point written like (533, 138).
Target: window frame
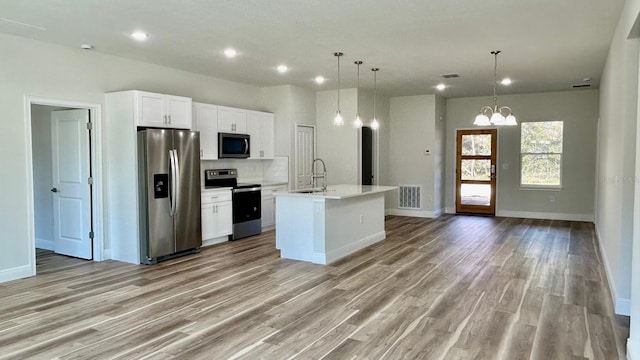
(561, 165)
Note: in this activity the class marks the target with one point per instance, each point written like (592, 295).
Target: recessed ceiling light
(87, 47)
(441, 86)
(230, 53)
(506, 81)
(282, 69)
(320, 80)
(139, 35)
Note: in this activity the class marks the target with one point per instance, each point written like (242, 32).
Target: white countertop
(342, 191)
(272, 183)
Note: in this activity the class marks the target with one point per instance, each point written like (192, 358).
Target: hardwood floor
(456, 287)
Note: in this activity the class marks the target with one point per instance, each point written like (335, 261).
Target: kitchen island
(324, 226)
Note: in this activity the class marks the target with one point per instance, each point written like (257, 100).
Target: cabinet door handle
(261, 153)
(164, 119)
(216, 209)
(201, 153)
(169, 119)
(233, 127)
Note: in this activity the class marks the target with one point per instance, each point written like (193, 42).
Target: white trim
(414, 213)
(328, 258)
(449, 210)
(96, 169)
(629, 349)
(218, 240)
(44, 244)
(16, 272)
(621, 306)
(545, 215)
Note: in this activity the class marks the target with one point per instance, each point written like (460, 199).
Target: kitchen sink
(310, 191)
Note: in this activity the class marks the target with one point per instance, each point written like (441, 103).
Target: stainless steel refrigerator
(169, 188)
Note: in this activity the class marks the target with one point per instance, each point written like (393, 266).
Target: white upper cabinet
(260, 126)
(205, 120)
(162, 111)
(232, 120)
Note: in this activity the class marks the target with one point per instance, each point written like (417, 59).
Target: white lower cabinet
(269, 205)
(217, 216)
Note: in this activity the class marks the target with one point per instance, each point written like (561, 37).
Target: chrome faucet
(322, 175)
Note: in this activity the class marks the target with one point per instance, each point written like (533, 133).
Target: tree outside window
(541, 154)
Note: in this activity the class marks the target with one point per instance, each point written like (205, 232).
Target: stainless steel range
(246, 201)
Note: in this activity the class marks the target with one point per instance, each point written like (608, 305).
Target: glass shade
(481, 120)
(338, 120)
(357, 122)
(374, 124)
(511, 120)
(497, 118)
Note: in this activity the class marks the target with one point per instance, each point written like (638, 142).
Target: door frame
(97, 191)
(295, 150)
(454, 181)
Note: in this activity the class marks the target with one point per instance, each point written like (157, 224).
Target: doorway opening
(368, 152)
(476, 152)
(64, 182)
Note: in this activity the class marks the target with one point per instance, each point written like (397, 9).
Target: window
(541, 154)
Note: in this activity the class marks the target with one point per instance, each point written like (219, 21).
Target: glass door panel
(476, 171)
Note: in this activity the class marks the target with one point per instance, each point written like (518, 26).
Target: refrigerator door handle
(177, 182)
(246, 146)
(172, 194)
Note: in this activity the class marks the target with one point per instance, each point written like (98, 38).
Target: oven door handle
(235, 191)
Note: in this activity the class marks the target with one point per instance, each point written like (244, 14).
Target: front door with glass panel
(476, 171)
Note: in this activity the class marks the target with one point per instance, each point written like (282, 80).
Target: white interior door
(305, 152)
(71, 190)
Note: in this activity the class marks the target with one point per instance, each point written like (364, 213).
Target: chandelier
(495, 115)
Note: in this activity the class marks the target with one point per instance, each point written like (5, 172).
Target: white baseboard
(16, 273)
(545, 215)
(449, 210)
(214, 241)
(331, 256)
(621, 306)
(414, 213)
(44, 244)
(630, 349)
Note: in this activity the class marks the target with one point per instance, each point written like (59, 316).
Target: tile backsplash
(252, 170)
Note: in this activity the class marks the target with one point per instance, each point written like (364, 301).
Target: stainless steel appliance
(246, 201)
(169, 188)
(233, 146)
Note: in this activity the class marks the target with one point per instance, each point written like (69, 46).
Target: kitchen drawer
(214, 196)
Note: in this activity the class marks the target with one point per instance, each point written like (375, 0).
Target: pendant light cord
(495, 78)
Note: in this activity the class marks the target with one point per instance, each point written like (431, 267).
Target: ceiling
(547, 45)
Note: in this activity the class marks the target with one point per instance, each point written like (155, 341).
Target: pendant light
(358, 122)
(495, 115)
(374, 122)
(338, 120)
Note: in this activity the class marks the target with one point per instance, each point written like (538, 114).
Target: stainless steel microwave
(233, 146)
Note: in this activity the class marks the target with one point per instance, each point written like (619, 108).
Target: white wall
(438, 154)
(337, 145)
(33, 68)
(618, 203)
(578, 110)
(413, 130)
(290, 105)
(616, 160)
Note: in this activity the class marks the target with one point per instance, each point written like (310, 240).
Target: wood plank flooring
(456, 287)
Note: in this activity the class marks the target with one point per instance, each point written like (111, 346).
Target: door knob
(54, 190)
